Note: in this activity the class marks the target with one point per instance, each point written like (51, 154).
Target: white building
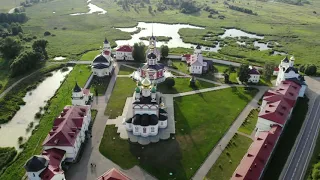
(80, 97)
(148, 111)
(124, 53)
(254, 75)
(103, 65)
(69, 131)
(286, 70)
(196, 63)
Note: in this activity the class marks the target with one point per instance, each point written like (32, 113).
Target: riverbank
(55, 105)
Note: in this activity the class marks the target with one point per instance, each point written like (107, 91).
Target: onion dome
(162, 105)
(139, 83)
(129, 120)
(106, 41)
(198, 47)
(292, 58)
(137, 90)
(146, 82)
(36, 163)
(100, 59)
(76, 88)
(151, 46)
(153, 120)
(154, 89)
(136, 120)
(163, 117)
(145, 120)
(152, 38)
(152, 56)
(285, 59)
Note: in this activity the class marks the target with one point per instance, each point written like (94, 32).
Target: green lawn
(124, 70)
(56, 104)
(286, 140)
(230, 158)
(201, 121)
(6, 156)
(99, 84)
(182, 85)
(89, 56)
(250, 122)
(233, 77)
(180, 66)
(124, 88)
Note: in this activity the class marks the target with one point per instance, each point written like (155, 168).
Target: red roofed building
(113, 174)
(185, 57)
(124, 53)
(69, 131)
(254, 75)
(253, 163)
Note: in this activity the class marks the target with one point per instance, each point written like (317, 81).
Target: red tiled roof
(253, 163)
(55, 157)
(86, 91)
(277, 112)
(289, 89)
(66, 127)
(186, 55)
(106, 52)
(125, 48)
(279, 97)
(254, 71)
(113, 174)
(276, 69)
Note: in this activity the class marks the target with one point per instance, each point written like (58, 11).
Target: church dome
(100, 59)
(76, 88)
(152, 38)
(153, 120)
(136, 120)
(106, 41)
(154, 89)
(137, 90)
(285, 59)
(152, 56)
(146, 82)
(198, 47)
(292, 58)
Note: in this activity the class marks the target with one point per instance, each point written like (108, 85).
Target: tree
(170, 82)
(138, 52)
(10, 48)
(302, 68)
(15, 29)
(243, 73)
(40, 47)
(310, 70)
(25, 62)
(226, 78)
(231, 69)
(164, 51)
(268, 70)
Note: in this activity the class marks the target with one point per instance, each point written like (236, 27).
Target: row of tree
(13, 17)
(242, 9)
(139, 51)
(12, 29)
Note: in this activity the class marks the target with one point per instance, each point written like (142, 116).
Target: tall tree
(138, 52)
(25, 62)
(40, 47)
(268, 70)
(243, 73)
(10, 48)
(164, 51)
(310, 70)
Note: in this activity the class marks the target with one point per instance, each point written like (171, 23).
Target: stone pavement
(217, 150)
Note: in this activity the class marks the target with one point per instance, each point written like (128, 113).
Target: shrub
(47, 33)
(20, 139)
(37, 115)
(310, 70)
(170, 82)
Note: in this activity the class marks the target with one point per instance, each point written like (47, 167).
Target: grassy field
(230, 158)
(124, 70)
(124, 88)
(286, 140)
(250, 122)
(56, 104)
(201, 121)
(99, 84)
(89, 56)
(181, 66)
(182, 85)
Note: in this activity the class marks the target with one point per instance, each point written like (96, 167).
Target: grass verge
(250, 122)
(124, 70)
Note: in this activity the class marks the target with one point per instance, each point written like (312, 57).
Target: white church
(80, 96)
(103, 65)
(286, 70)
(149, 114)
(196, 63)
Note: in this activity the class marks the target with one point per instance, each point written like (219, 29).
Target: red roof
(279, 97)
(66, 127)
(55, 157)
(253, 163)
(276, 111)
(113, 174)
(106, 52)
(254, 71)
(125, 48)
(186, 55)
(86, 91)
(289, 89)
(276, 69)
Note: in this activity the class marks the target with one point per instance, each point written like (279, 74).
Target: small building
(46, 166)
(149, 114)
(196, 63)
(103, 65)
(69, 131)
(185, 57)
(81, 97)
(254, 75)
(113, 174)
(124, 53)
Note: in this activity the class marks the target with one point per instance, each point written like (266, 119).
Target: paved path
(302, 151)
(200, 91)
(217, 150)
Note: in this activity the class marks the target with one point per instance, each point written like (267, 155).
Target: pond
(92, 9)
(261, 46)
(160, 29)
(238, 33)
(59, 58)
(10, 132)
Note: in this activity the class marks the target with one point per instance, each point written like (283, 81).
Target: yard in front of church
(201, 120)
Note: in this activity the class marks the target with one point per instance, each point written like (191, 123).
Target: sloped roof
(152, 56)
(100, 59)
(186, 55)
(291, 69)
(198, 47)
(36, 163)
(254, 71)
(300, 80)
(125, 48)
(276, 69)
(113, 174)
(252, 164)
(76, 88)
(106, 41)
(196, 60)
(86, 91)
(289, 89)
(285, 59)
(279, 97)
(277, 112)
(100, 66)
(66, 127)
(55, 158)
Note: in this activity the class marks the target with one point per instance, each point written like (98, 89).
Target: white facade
(35, 175)
(102, 64)
(196, 63)
(81, 98)
(194, 69)
(121, 55)
(286, 70)
(254, 78)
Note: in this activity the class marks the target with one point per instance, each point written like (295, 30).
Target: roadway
(302, 151)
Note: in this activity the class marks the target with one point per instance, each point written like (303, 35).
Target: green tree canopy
(138, 52)
(310, 70)
(268, 70)
(40, 47)
(10, 48)
(164, 51)
(243, 73)
(170, 82)
(26, 61)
